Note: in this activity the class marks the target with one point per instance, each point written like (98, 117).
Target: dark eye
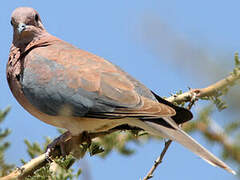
(11, 22)
(36, 18)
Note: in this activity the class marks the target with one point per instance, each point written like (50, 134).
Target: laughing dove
(73, 89)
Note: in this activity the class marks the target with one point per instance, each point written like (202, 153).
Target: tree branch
(207, 91)
(27, 169)
(40, 161)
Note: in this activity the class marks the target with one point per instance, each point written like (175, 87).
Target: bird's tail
(176, 134)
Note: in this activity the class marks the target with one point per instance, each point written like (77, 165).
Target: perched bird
(73, 89)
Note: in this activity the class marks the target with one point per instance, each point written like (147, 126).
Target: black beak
(21, 27)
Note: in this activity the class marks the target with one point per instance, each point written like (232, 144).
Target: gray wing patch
(53, 96)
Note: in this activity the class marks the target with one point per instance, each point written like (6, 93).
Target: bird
(70, 88)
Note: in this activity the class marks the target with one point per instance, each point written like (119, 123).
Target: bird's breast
(15, 77)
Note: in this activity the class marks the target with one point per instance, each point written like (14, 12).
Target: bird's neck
(39, 40)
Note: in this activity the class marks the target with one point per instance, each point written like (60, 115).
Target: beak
(21, 27)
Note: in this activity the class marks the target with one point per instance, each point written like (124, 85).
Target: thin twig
(158, 160)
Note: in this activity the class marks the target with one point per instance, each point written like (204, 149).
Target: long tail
(176, 134)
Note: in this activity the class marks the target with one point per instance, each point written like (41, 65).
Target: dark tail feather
(182, 114)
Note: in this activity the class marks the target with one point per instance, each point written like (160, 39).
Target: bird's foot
(60, 146)
(67, 143)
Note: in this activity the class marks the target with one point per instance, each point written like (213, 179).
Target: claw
(61, 144)
(47, 155)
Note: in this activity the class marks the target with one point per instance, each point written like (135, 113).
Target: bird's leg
(86, 138)
(80, 144)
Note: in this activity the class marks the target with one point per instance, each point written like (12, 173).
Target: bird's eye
(11, 22)
(36, 18)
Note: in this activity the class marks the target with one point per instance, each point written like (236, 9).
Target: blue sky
(140, 37)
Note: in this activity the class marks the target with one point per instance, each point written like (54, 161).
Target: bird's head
(27, 26)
